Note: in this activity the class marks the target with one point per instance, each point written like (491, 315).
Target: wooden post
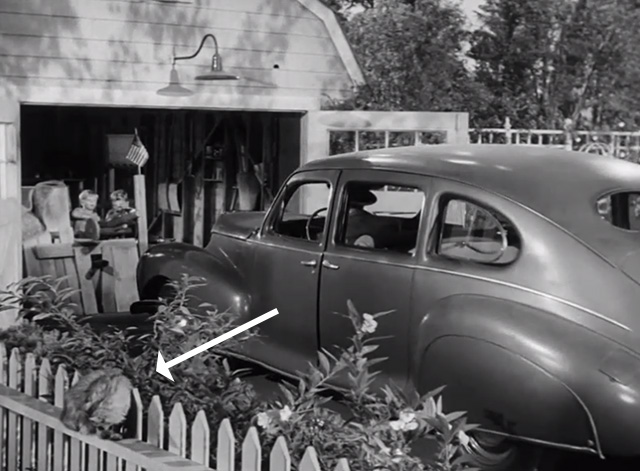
(179, 157)
(568, 134)
(111, 181)
(140, 199)
(10, 238)
(198, 209)
(507, 129)
(10, 199)
(188, 204)
(200, 144)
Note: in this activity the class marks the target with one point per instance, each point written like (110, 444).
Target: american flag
(137, 152)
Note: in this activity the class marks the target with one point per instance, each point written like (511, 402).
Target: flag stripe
(137, 153)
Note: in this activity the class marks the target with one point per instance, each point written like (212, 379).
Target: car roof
(547, 180)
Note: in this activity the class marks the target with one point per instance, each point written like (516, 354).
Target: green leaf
(453, 416)
(325, 365)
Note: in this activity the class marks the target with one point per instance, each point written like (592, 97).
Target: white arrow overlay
(162, 367)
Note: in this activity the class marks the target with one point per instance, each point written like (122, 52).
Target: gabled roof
(337, 36)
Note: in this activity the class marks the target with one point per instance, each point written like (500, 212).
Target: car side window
(621, 209)
(473, 233)
(376, 217)
(303, 211)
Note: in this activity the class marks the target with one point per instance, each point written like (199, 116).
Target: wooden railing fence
(33, 438)
(621, 144)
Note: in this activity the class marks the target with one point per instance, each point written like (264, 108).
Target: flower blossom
(285, 413)
(406, 421)
(369, 324)
(264, 420)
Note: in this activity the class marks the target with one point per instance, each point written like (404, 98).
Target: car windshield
(621, 209)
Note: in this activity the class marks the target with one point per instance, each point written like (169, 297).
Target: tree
(338, 5)
(412, 56)
(552, 60)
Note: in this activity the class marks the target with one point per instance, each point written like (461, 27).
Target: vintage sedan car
(513, 273)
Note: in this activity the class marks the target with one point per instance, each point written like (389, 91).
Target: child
(85, 219)
(121, 214)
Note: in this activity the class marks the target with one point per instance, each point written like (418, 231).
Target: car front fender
(517, 370)
(225, 286)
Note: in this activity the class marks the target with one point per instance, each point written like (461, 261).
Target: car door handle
(330, 265)
(309, 263)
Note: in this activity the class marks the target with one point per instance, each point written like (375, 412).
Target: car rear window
(473, 233)
(621, 209)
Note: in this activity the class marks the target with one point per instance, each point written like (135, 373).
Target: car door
(375, 276)
(471, 254)
(286, 271)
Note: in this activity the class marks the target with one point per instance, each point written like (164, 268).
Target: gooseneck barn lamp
(174, 88)
(216, 73)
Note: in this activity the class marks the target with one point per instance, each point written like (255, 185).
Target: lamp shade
(216, 72)
(174, 88)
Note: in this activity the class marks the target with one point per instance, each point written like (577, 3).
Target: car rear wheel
(494, 453)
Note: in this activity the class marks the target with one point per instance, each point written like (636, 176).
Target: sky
(469, 7)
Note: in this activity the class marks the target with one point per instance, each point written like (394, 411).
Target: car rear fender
(505, 364)
(225, 286)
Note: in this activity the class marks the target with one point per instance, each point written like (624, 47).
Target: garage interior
(201, 162)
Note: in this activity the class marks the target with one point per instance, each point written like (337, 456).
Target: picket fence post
(3, 364)
(200, 439)
(135, 418)
(309, 460)
(136, 414)
(251, 451)
(30, 444)
(3, 381)
(30, 389)
(13, 430)
(225, 452)
(155, 423)
(279, 458)
(178, 431)
(45, 381)
(45, 377)
(342, 465)
(59, 388)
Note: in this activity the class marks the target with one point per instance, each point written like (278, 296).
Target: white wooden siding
(127, 45)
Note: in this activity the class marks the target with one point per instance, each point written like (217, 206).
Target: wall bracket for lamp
(216, 72)
(174, 88)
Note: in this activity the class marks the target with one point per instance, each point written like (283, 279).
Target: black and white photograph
(319, 235)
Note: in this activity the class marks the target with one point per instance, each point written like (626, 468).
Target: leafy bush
(382, 425)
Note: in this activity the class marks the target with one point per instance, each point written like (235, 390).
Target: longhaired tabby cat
(98, 403)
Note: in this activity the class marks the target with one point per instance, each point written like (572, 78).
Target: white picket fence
(32, 436)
